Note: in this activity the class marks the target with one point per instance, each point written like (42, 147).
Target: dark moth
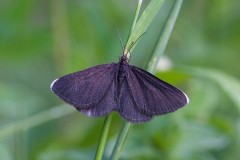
(133, 92)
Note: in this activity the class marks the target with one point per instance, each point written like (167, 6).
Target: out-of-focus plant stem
(103, 138)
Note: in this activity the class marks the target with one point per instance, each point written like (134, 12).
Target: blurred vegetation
(42, 40)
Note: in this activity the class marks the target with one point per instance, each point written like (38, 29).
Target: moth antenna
(123, 46)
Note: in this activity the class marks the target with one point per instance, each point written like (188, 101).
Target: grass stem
(121, 141)
(103, 139)
(164, 36)
(127, 125)
(162, 42)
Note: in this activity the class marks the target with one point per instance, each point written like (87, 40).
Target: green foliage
(205, 40)
(144, 21)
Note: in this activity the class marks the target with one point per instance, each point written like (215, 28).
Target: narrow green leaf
(121, 141)
(164, 36)
(141, 26)
(40, 118)
(103, 139)
(122, 137)
(144, 21)
(136, 15)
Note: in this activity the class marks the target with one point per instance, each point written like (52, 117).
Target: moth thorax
(121, 72)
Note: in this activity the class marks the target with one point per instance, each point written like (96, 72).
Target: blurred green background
(42, 40)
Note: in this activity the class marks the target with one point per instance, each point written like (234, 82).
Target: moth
(134, 93)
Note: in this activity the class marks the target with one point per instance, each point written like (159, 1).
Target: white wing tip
(186, 97)
(53, 83)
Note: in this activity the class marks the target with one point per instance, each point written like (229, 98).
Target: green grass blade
(144, 21)
(136, 15)
(164, 36)
(141, 26)
(121, 141)
(40, 118)
(126, 126)
(103, 139)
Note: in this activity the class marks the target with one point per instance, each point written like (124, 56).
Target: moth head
(125, 57)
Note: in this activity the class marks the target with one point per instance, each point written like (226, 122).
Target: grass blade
(122, 137)
(144, 21)
(164, 36)
(40, 118)
(141, 26)
(103, 139)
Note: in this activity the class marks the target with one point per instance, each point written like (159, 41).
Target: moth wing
(85, 89)
(127, 106)
(105, 106)
(152, 95)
